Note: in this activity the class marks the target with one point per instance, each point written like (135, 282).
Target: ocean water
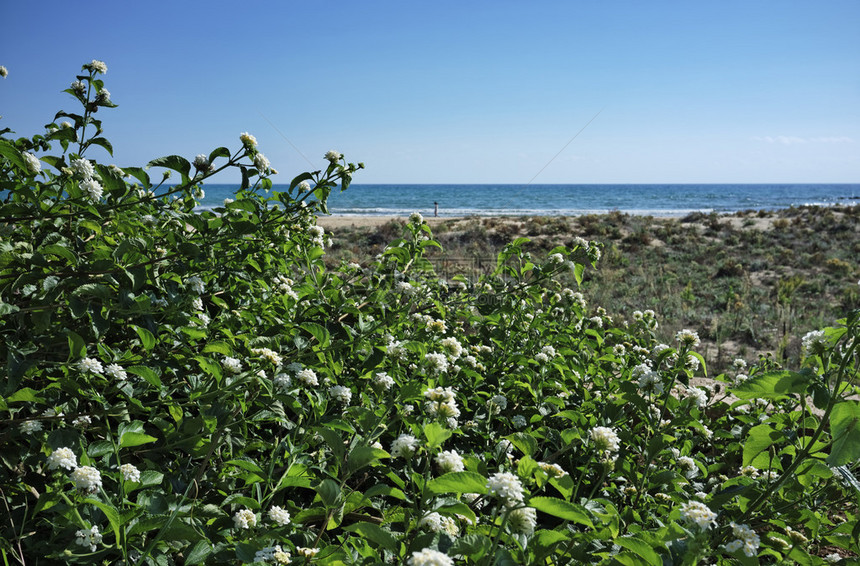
(568, 200)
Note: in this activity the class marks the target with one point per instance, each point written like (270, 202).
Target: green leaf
(77, 346)
(361, 456)
(329, 492)
(218, 348)
(458, 482)
(375, 534)
(562, 509)
(146, 337)
(317, 331)
(130, 439)
(11, 153)
(845, 432)
(219, 152)
(436, 434)
(199, 553)
(641, 548)
(25, 394)
(772, 385)
(175, 162)
(110, 512)
(58, 250)
(146, 373)
(103, 142)
(760, 438)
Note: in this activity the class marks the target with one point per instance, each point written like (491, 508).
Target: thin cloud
(792, 140)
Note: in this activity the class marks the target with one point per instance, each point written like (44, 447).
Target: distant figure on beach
(436, 209)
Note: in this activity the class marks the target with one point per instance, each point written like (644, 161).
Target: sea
(673, 200)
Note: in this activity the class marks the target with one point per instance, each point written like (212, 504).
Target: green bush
(187, 387)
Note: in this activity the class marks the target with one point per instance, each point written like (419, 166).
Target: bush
(196, 387)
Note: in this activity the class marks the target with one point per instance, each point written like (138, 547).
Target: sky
(460, 92)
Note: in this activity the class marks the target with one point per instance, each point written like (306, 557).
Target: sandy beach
(361, 221)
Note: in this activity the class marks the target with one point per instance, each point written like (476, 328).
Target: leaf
(110, 512)
(146, 373)
(317, 331)
(641, 548)
(458, 482)
(219, 152)
(25, 394)
(146, 337)
(175, 162)
(11, 153)
(361, 456)
(436, 434)
(845, 432)
(135, 439)
(199, 553)
(562, 509)
(329, 493)
(760, 438)
(376, 534)
(77, 346)
(58, 250)
(772, 385)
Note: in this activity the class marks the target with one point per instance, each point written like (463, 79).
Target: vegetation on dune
(201, 388)
(751, 283)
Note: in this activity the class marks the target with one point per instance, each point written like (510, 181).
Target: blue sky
(461, 92)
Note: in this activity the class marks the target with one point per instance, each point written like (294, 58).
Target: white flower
(201, 162)
(62, 458)
(333, 156)
(89, 537)
(507, 486)
(698, 395)
(523, 520)
(450, 461)
(832, 558)
(430, 557)
(130, 473)
(697, 513)
(304, 187)
(416, 218)
(245, 519)
(98, 66)
(195, 284)
(29, 427)
(814, 341)
(340, 393)
(279, 515)
(519, 421)
(92, 189)
(33, 163)
(307, 552)
(687, 337)
(103, 95)
(269, 354)
(497, 404)
(4, 72)
(82, 421)
(688, 464)
(605, 439)
(437, 362)
(90, 365)
(83, 168)
(308, 377)
(87, 478)
(404, 446)
(383, 381)
(248, 140)
(746, 539)
(115, 371)
(232, 364)
(262, 163)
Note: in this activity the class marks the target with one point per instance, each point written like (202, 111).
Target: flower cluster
(340, 394)
(442, 402)
(507, 487)
(89, 537)
(279, 516)
(746, 540)
(606, 441)
(404, 446)
(62, 458)
(245, 519)
(89, 185)
(87, 479)
(698, 514)
(430, 557)
(449, 461)
(130, 473)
